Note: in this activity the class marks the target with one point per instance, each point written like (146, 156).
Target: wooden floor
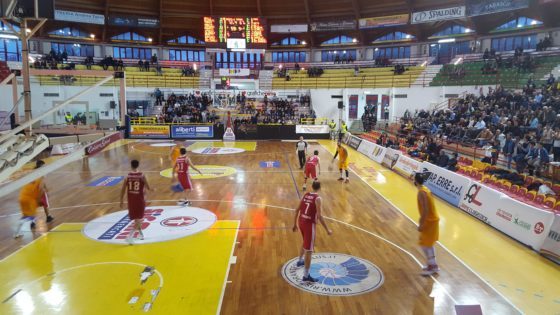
(364, 225)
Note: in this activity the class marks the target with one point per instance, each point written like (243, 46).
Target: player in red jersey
(311, 166)
(182, 168)
(307, 214)
(135, 185)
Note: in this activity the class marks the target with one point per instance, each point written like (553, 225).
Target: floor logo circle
(208, 172)
(217, 151)
(160, 224)
(337, 275)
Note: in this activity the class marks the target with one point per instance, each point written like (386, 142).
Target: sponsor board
(208, 172)
(106, 181)
(131, 21)
(479, 201)
(192, 131)
(482, 7)
(354, 142)
(80, 17)
(103, 143)
(383, 21)
(407, 166)
(243, 72)
(217, 151)
(391, 157)
(149, 131)
(445, 184)
(438, 15)
(372, 151)
(160, 224)
(337, 275)
(312, 129)
(551, 245)
(67, 148)
(269, 164)
(288, 28)
(333, 26)
(523, 222)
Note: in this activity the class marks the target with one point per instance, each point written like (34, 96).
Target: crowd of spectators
(338, 59)
(519, 126)
(187, 108)
(399, 69)
(369, 117)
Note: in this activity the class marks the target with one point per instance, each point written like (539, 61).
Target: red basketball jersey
(313, 160)
(308, 208)
(182, 165)
(135, 183)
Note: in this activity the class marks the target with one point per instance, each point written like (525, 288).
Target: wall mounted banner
(133, 21)
(333, 26)
(445, 184)
(438, 15)
(482, 7)
(192, 131)
(289, 28)
(235, 72)
(312, 129)
(149, 131)
(79, 17)
(383, 21)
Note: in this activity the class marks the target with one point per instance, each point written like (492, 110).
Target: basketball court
(232, 250)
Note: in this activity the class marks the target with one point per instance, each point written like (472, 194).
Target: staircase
(18, 150)
(555, 71)
(265, 79)
(428, 75)
(356, 127)
(205, 79)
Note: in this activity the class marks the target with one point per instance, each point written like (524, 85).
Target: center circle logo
(208, 172)
(160, 224)
(218, 151)
(179, 221)
(337, 275)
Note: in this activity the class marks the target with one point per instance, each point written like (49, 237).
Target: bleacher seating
(346, 78)
(507, 77)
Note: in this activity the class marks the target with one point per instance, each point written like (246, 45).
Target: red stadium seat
(556, 188)
(557, 206)
(539, 198)
(522, 192)
(530, 195)
(549, 202)
(514, 189)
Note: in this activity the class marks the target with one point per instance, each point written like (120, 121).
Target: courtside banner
(149, 131)
(551, 246)
(481, 202)
(102, 143)
(192, 131)
(372, 151)
(523, 222)
(354, 142)
(407, 166)
(312, 129)
(391, 157)
(445, 184)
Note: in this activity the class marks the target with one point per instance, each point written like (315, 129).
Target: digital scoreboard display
(219, 31)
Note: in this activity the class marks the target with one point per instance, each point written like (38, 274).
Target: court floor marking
(439, 243)
(292, 174)
(244, 153)
(447, 293)
(228, 268)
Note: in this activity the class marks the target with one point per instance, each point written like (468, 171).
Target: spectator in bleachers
(120, 65)
(154, 59)
(508, 149)
(146, 65)
(443, 159)
(538, 156)
(140, 65)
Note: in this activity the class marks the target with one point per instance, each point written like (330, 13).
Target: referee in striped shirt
(301, 151)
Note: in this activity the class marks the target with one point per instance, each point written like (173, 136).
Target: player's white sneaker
(141, 236)
(130, 239)
(430, 270)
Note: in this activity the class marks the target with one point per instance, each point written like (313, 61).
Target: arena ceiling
(184, 17)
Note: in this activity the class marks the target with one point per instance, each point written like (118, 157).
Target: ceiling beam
(356, 8)
(259, 9)
(211, 7)
(104, 35)
(308, 17)
(160, 35)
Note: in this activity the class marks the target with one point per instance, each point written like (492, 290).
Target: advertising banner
(333, 26)
(354, 142)
(244, 72)
(289, 28)
(482, 7)
(551, 246)
(383, 21)
(372, 151)
(438, 15)
(391, 157)
(192, 131)
(312, 129)
(407, 166)
(102, 143)
(149, 131)
(445, 184)
(79, 17)
(133, 21)
(525, 223)
(481, 202)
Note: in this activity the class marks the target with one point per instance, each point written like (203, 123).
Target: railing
(373, 81)
(143, 121)
(131, 81)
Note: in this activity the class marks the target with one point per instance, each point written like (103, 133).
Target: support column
(25, 71)
(122, 100)
(15, 98)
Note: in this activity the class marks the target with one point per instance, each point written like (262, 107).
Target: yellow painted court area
(245, 145)
(103, 278)
(523, 276)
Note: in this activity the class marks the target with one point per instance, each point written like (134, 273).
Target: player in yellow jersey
(175, 154)
(342, 154)
(29, 199)
(428, 226)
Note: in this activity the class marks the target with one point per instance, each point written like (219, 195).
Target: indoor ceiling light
(303, 42)
(446, 40)
(8, 36)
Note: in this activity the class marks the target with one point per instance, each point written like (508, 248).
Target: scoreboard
(219, 31)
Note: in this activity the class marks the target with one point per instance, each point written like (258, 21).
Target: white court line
(439, 243)
(228, 268)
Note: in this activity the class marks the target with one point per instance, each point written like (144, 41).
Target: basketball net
(229, 135)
